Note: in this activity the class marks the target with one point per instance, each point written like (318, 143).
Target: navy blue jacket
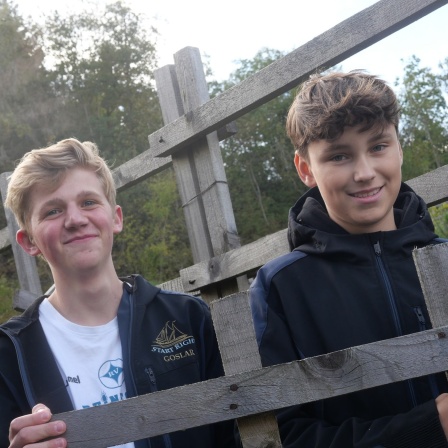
(29, 374)
(336, 290)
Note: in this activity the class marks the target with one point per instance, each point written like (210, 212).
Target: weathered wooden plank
(432, 267)
(332, 47)
(138, 169)
(431, 263)
(259, 391)
(25, 264)
(199, 170)
(235, 262)
(432, 186)
(5, 241)
(234, 327)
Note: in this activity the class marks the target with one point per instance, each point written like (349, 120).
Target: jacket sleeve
(302, 425)
(12, 400)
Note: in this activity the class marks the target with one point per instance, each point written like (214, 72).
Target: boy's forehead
(52, 190)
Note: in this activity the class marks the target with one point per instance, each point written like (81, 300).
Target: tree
(424, 121)
(259, 159)
(104, 70)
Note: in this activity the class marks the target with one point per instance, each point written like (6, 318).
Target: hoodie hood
(311, 229)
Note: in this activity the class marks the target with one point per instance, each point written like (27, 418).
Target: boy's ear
(26, 243)
(118, 219)
(304, 171)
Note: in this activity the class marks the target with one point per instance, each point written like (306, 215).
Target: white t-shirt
(89, 358)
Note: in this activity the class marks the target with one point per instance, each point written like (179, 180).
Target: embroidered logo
(170, 341)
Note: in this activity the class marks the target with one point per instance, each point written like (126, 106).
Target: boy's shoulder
(274, 266)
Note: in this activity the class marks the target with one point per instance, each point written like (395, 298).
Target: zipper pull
(377, 248)
(150, 373)
(421, 318)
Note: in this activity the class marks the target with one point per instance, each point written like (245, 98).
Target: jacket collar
(311, 230)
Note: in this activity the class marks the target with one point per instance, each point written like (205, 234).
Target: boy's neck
(94, 301)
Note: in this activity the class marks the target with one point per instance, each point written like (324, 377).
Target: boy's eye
(89, 203)
(378, 148)
(338, 158)
(52, 212)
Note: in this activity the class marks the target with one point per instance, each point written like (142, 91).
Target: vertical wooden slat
(199, 169)
(30, 287)
(432, 268)
(239, 351)
(431, 263)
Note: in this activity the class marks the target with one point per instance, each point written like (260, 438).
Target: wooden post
(432, 267)
(239, 351)
(30, 287)
(199, 169)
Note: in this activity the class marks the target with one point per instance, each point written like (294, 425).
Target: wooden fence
(189, 141)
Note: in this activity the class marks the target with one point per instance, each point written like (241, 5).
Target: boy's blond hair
(47, 167)
(327, 103)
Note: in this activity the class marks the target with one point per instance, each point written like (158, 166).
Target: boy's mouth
(366, 194)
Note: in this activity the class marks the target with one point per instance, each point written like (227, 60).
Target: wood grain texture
(200, 172)
(432, 186)
(432, 268)
(326, 50)
(5, 241)
(25, 265)
(259, 391)
(239, 352)
(235, 262)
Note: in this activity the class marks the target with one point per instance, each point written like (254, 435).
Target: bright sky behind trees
(236, 29)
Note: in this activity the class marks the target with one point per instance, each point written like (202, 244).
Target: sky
(232, 30)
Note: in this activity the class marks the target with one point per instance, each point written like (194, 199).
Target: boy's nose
(364, 170)
(74, 217)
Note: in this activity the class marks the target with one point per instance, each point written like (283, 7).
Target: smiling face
(73, 225)
(358, 175)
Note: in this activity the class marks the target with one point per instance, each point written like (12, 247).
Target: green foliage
(259, 164)
(439, 215)
(154, 242)
(104, 69)
(8, 286)
(424, 121)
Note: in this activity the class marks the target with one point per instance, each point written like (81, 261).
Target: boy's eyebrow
(59, 201)
(381, 134)
(341, 146)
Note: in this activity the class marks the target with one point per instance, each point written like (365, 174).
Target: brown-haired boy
(350, 278)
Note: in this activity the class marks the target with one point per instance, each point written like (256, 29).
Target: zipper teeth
(388, 286)
(393, 306)
(153, 386)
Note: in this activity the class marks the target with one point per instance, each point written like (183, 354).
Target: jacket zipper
(131, 374)
(393, 307)
(153, 388)
(422, 324)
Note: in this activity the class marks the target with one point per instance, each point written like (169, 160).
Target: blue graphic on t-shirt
(111, 373)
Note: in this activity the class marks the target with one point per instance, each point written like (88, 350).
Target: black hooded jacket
(29, 374)
(337, 290)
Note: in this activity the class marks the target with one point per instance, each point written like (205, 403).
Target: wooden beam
(235, 262)
(432, 267)
(26, 267)
(5, 241)
(326, 50)
(259, 391)
(235, 332)
(432, 186)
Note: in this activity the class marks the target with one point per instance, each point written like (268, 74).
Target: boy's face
(73, 225)
(358, 176)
